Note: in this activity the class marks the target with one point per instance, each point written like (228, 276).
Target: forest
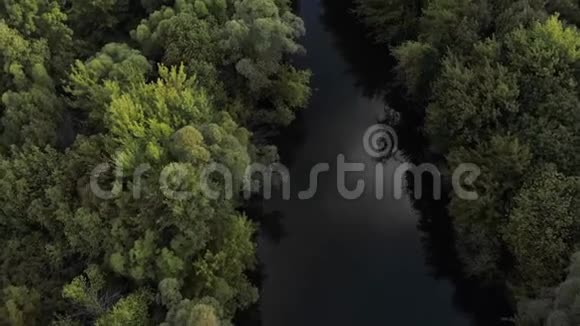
(498, 85)
(111, 110)
(134, 83)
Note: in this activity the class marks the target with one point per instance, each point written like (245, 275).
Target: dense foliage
(499, 84)
(555, 306)
(158, 86)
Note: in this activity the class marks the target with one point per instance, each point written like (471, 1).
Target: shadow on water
(486, 304)
(369, 64)
(271, 227)
(372, 66)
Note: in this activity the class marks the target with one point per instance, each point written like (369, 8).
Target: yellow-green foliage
(79, 90)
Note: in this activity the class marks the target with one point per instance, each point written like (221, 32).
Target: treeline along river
(333, 261)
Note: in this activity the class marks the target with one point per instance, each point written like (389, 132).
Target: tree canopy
(111, 112)
(498, 82)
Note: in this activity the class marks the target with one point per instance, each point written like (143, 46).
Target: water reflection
(331, 261)
(369, 64)
(372, 65)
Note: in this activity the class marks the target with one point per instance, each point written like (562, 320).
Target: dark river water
(334, 261)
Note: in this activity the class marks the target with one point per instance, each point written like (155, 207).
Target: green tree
(558, 306)
(390, 20)
(455, 24)
(31, 110)
(188, 312)
(473, 98)
(543, 227)
(170, 125)
(42, 21)
(20, 306)
(499, 80)
(417, 67)
(88, 89)
(257, 37)
(503, 162)
(85, 241)
(246, 42)
(545, 58)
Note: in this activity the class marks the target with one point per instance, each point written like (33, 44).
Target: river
(334, 261)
